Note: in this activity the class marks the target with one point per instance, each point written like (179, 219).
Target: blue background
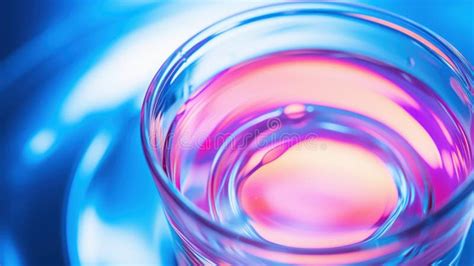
(74, 185)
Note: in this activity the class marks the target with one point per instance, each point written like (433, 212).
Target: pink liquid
(316, 149)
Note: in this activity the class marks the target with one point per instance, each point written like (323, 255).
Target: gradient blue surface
(74, 184)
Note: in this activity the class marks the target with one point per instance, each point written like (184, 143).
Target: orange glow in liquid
(346, 176)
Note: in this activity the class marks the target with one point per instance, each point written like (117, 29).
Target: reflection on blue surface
(74, 184)
(106, 223)
(40, 144)
(9, 253)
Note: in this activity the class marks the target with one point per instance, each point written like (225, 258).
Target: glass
(418, 57)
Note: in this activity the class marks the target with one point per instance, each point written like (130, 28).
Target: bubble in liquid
(295, 111)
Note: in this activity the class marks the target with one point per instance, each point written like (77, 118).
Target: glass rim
(441, 48)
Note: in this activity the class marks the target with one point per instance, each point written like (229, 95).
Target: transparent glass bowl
(294, 26)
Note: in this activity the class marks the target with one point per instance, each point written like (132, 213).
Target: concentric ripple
(316, 149)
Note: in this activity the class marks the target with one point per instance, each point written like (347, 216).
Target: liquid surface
(316, 149)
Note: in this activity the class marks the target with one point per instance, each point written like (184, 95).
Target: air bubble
(295, 111)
